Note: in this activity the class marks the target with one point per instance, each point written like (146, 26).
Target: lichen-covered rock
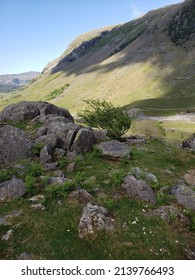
(114, 150)
(95, 218)
(28, 110)
(14, 145)
(46, 154)
(138, 189)
(24, 256)
(6, 220)
(13, 188)
(184, 195)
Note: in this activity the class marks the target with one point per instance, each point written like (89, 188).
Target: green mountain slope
(147, 63)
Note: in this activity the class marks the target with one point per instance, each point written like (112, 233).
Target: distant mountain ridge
(11, 82)
(147, 63)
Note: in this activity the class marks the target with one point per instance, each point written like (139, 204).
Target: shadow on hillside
(152, 45)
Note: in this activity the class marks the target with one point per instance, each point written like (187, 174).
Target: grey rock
(114, 150)
(7, 236)
(168, 213)
(58, 173)
(136, 140)
(58, 154)
(83, 141)
(48, 140)
(100, 135)
(47, 119)
(184, 195)
(51, 166)
(13, 188)
(38, 206)
(137, 172)
(133, 113)
(95, 218)
(14, 145)
(71, 167)
(81, 196)
(24, 256)
(28, 110)
(46, 155)
(138, 189)
(6, 220)
(54, 180)
(151, 178)
(37, 198)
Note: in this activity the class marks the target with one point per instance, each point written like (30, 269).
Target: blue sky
(34, 32)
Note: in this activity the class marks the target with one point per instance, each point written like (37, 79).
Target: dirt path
(190, 118)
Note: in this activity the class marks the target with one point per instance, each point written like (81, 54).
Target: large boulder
(114, 150)
(14, 144)
(13, 188)
(184, 195)
(138, 189)
(80, 196)
(95, 218)
(84, 140)
(28, 110)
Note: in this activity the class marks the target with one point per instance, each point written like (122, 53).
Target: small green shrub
(5, 174)
(55, 93)
(30, 183)
(59, 190)
(37, 148)
(102, 114)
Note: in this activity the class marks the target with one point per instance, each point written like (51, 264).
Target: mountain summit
(147, 62)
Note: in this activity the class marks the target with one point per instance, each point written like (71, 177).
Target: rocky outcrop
(28, 110)
(13, 188)
(184, 195)
(14, 144)
(138, 189)
(95, 218)
(114, 150)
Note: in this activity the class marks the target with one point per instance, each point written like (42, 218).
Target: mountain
(147, 63)
(11, 82)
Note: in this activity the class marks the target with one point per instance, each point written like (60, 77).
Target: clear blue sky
(34, 32)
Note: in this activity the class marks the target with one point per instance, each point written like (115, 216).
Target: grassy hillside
(137, 64)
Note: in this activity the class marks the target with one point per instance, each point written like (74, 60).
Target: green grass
(53, 233)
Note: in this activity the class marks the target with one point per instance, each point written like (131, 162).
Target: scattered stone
(190, 177)
(38, 206)
(24, 256)
(151, 178)
(13, 188)
(14, 145)
(5, 220)
(137, 172)
(114, 150)
(48, 140)
(7, 236)
(168, 213)
(81, 196)
(58, 173)
(37, 198)
(56, 180)
(95, 218)
(51, 166)
(90, 181)
(71, 167)
(136, 140)
(138, 189)
(184, 195)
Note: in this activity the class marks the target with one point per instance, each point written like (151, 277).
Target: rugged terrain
(147, 63)
(12, 82)
(69, 192)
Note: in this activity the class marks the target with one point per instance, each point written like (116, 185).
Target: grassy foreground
(53, 233)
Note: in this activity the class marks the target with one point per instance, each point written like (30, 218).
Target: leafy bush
(102, 114)
(5, 174)
(30, 183)
(37, 148)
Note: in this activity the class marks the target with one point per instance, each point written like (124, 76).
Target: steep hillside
(147, 63)
(11, 82)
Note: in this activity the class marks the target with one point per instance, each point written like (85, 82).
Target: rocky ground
(67, 191)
